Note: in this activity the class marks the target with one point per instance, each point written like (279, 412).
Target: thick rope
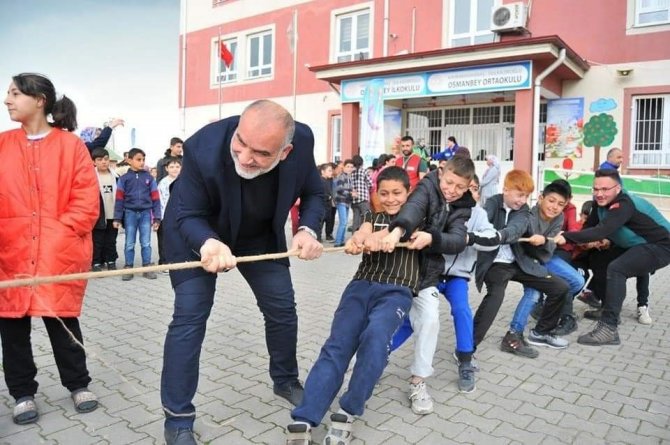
(36, 281)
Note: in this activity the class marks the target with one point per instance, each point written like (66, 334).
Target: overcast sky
(113, 59)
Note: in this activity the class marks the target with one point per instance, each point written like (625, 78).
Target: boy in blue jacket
(138, 205)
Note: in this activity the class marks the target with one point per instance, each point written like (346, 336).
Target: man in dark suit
(240, 177)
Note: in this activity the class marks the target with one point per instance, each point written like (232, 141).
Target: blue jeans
(134, 220)
(342, 216)
(364, 323)
(455, 290)
(270, 282)
(558, 267)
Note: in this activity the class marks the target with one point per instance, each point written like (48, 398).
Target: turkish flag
(225, 55)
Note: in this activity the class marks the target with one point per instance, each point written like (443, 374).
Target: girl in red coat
(48, 207)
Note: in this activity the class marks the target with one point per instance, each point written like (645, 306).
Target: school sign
(480, 79)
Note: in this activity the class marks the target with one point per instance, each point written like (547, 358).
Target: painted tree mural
(599, 132)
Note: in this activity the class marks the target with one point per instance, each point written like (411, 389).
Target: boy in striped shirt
(371, 309)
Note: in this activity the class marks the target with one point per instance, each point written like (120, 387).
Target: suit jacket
(205, 200)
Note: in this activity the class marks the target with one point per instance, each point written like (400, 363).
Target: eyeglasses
(474, 188)
(603, 189)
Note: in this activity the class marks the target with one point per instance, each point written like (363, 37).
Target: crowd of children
(395, 292)
(134, 201)
(454, 240)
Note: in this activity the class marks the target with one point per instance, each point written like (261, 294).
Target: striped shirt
(400, 267)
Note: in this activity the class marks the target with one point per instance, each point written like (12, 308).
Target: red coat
(48, 207)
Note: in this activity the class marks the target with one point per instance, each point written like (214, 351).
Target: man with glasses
(241, 176)
(631, 223)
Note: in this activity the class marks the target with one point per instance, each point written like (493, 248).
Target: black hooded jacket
(427, 209)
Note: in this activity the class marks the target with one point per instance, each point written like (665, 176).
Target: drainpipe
(411, 46)
(535, 164)
(385, 51)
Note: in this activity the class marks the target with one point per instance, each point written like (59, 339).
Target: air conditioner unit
(510, 17)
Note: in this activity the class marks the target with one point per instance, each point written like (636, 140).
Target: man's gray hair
(274, 111)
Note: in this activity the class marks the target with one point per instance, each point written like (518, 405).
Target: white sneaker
(643, 316)
(419, 398)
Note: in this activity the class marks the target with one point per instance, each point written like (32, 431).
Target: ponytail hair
(63, 111)
(64, 114)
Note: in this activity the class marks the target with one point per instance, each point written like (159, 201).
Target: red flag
(226, 55)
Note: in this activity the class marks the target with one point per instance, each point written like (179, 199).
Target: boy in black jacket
(443, 201)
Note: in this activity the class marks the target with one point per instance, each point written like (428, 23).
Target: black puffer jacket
(427, 209)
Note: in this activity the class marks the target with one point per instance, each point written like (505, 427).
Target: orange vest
(411, 166)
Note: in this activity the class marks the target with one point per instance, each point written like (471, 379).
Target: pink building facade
(531, 82)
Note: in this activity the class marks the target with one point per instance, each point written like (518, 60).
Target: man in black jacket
(241, 176)
(631, 223)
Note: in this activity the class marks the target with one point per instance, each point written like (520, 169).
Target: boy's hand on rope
(419, 240)
(309, 247)
(390, 241)
(537, 240)
(216, 256)
(356, 244)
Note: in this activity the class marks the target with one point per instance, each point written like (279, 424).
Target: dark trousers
(17, 355)
(104, 244)
(635, 262)
(270, 282)
(329, 219)
(598, 261)
(364, 323)
(496, 280)
(159, 237)
(360, 209)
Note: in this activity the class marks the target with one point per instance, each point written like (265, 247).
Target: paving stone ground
(584, 395)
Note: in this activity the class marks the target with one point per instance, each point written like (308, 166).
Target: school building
(540, 84)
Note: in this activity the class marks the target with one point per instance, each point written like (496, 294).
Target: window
(470, 22)
(259, 49)
(352, 36)
(651, 131)
(336, 137)
(226, 74)
(652, 12)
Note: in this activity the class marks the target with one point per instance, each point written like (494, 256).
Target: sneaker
(588, 297)
(514, 343)
(339, 432)
(127, 276)
(473, 361)
(338, 245)
(603, 334)
(179, 436)
(329, 238)
(111, 265)
(84, 400)
(536, 313)
(594, 314)
(291, 391)
(466, 377)
(567, 324)
(96, 268)
(298, 433)
(534, 338)
(420, 400)
(149, 275)
(643, 316)
(25, 411)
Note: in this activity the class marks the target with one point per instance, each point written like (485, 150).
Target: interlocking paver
(618, 394)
